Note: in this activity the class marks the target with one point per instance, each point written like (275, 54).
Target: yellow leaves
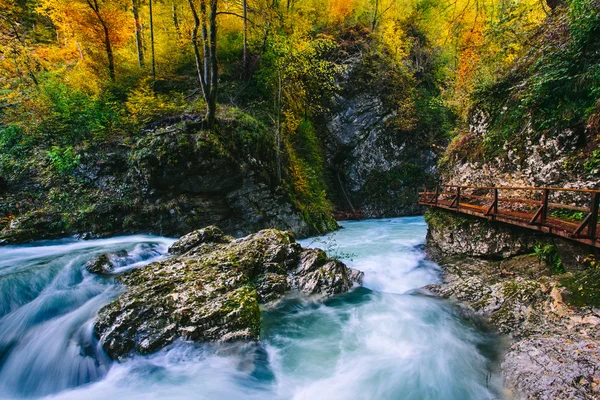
(339, 10)
(146, 105)
(394, 39)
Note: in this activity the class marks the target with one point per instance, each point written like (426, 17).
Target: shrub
(593, 162)
(63, 160)
(70, 115)
(145, 105)
(548, 253)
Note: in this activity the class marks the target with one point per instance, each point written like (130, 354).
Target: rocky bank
(212, 289)
(490, 271)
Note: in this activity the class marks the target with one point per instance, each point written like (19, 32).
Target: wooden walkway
(569, 213)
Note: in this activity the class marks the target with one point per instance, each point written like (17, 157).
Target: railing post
(544, 206)
(437, 194)
(493, 210)
(594, 215)
(496, 201)
(458, 197)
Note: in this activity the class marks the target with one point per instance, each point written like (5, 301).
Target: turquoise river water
(386, 340)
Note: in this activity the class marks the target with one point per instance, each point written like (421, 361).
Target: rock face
(555, 349)
(211, 290)
(456, 234)
(490, 272)
(377, 161)
(172, 180)
(541, 160)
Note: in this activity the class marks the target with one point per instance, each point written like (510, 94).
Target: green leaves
(63, 160)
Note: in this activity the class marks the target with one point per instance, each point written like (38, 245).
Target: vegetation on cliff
(549, 91)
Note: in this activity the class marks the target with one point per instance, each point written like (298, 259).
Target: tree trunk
(197, 55)
(212, 61)
(374, 23)
(107, 44)
(135, 8)
(175, 19)
(152, 41)
(245, 57)
(278, 155)
(206, 64)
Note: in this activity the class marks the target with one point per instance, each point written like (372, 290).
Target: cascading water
(386, 340)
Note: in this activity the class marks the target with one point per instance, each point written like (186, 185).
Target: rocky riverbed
(211, 290)
(553, 349)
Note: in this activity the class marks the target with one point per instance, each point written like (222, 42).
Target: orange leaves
(340, 9)
(80, 29)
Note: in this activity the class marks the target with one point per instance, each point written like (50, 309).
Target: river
(386, 340)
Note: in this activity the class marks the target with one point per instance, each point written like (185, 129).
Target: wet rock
(450, 234)
(210, 234)
(376, 167)
(555, 349)
(555, 367)
(101, 265)
(212, 288)
(317, 274)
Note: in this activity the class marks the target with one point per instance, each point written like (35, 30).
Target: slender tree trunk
(206, 64)
(197, 55)
(107, 44)
(374, 23)
(175, 19)
(152, 40)
(135, 8)
(278, 155)
(109, 53)
(212, 60)
(245, 57)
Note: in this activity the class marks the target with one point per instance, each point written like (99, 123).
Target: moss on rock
(212, 288)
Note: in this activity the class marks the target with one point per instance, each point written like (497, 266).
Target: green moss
(442, 220)
(244, 303)
(583, 287)
(517, 290)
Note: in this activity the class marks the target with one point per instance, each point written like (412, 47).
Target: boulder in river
(211, 290)
(100, 265)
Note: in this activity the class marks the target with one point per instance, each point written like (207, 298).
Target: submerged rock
(100, 265)
(212, 288)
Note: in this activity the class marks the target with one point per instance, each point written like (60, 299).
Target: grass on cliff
(551, 90)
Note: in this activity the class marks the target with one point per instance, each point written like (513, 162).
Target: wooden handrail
(521, 212)
(525, 188)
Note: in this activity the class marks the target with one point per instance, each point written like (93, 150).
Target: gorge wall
(169, 180)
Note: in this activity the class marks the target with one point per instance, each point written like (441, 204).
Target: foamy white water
(386, 340)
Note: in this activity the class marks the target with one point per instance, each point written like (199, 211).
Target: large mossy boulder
(211, 290)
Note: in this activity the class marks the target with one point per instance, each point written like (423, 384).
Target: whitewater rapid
(386, 340)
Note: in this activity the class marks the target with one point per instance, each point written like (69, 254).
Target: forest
(262, 77)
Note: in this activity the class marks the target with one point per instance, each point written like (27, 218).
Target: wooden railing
(566, 212)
